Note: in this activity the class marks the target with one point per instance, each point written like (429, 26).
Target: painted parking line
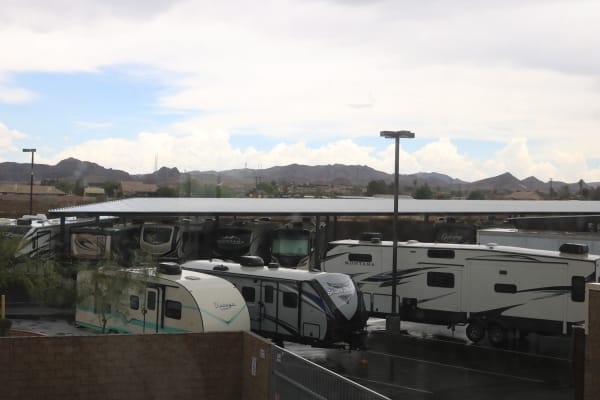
(479, 371)
(382, 383)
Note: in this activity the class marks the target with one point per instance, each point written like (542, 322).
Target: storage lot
(428, 365)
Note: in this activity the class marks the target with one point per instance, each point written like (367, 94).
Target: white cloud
(7, 138)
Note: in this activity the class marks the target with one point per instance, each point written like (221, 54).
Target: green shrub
(5, 325)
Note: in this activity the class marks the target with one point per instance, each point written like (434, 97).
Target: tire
(475, 331)
(496, 335)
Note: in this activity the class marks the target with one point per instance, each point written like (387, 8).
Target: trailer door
(152, 306)
(269, 306)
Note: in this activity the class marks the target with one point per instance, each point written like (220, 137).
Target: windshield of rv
(157, 235)
(291, 243)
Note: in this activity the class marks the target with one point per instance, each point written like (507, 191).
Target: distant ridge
(72, 169)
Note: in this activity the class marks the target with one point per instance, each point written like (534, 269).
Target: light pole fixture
(32, 151)
(396, 135)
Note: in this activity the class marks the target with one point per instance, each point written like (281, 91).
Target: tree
(476, 195)
(105, 289)
(37, 278)
(110, 187)
(377, 187)
(423, 192)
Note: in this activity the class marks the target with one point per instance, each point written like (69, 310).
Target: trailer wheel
(475, 331)
(497, 335)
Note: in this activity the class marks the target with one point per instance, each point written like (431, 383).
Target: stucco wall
(173, 366)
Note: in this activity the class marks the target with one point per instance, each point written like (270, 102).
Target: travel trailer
(165, 300)
(493, 289)
(316, 308)
(295, 243)
(178, 241)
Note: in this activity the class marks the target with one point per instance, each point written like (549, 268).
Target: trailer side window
(134, 302)
(578, 288)
(440, 253)
(269, 294)
(290, 300)
(173, 309)
(360, 257)
(440, 279)
(249, 294)
(505, 288)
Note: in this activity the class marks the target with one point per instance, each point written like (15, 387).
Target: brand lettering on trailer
(338, 288)
(452, 238)
(361, 263)
(224, 306)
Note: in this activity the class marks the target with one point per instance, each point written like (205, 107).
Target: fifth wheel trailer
(538, 239)
(491, 288)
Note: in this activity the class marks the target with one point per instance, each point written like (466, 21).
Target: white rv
(96, 243)
(538, 239)
(168, 300)
(294, 244)
(317, 308)
(491, 288)
(178, 241)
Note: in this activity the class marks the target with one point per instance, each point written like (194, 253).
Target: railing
(293, 377)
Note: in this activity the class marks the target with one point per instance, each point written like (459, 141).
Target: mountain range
(72, 169)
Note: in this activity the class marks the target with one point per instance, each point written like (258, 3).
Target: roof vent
(220, 267)
(251, 261)
(373, 237)
(574, 248)
(169, 268)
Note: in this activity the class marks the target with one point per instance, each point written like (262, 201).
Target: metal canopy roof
(172, 207)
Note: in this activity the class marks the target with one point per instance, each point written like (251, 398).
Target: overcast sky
(487, 86)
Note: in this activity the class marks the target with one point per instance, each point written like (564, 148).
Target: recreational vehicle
(119, 243)
(538, 239)
(44, 237)
(317, 308)
(178, 241)
(294, 244)
(163, 300)
(491, 288)
(239, 238)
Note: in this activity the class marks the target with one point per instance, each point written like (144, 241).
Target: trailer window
(290, 300)
(269, 294)
(134, 302)
(360, 257)
(505, 288)
(578, 288)
(440, 279)
(440, 253)
(173, 309)
(249, 294)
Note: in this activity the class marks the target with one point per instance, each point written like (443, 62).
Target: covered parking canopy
(191, 206)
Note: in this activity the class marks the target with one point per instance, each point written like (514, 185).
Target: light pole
(32, 151)
(394, 320)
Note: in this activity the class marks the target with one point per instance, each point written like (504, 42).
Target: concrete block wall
(131, 367)
(592, 344)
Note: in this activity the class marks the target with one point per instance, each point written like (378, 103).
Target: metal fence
(293, 377)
